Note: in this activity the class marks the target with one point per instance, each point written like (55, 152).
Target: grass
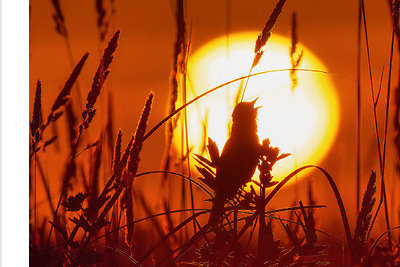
(97, 224)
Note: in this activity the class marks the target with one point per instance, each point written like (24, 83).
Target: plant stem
(358, 105)
(381, 160)
(261, 227)
(34, 203)
(384, 142)
(155, 128)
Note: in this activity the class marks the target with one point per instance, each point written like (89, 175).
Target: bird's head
(245, 111)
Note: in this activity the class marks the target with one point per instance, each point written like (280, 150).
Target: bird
(239, 158)
(234, 167)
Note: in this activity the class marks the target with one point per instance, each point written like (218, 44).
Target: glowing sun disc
(303, 122)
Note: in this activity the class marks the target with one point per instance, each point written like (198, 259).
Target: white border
(14, 132)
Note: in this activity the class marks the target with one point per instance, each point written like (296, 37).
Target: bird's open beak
(254, 101)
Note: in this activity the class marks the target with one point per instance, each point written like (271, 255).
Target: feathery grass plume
(37, 110)
(263, 38)
(35, 125)
(98, 81)
(178, 59)
(102, 24)
(139, 137)
(64, 95)
(266, 32)
(364, 220)
(295, 55)
(59, 19)
(131, 170)
(36, 122)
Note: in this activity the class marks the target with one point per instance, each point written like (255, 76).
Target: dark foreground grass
(96, 224)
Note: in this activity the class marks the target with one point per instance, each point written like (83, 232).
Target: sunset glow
(303, 122)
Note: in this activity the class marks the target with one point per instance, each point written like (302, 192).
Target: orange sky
(143, 60)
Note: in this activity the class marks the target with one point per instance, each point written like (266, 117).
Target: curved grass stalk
(268, 198)
(134, 222)
(379, 239)
(203, 211)
(119, 251)
(279, 186)
(177, 228)
(178, 174)
(290, 221)
(275, 218)
(317, 230)
(335, 191)
(382, 199)
(149, 133)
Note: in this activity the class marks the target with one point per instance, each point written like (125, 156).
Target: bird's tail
(217, 210)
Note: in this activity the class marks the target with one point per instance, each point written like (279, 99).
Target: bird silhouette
(239, 158)
(235, 166)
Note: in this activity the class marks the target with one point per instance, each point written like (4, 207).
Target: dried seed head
(36, 122)
(63, 96)
(139, 136)
(269, 25)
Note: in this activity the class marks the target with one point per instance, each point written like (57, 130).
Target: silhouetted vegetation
(94, 222)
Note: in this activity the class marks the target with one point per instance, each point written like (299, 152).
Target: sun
(303, 121)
